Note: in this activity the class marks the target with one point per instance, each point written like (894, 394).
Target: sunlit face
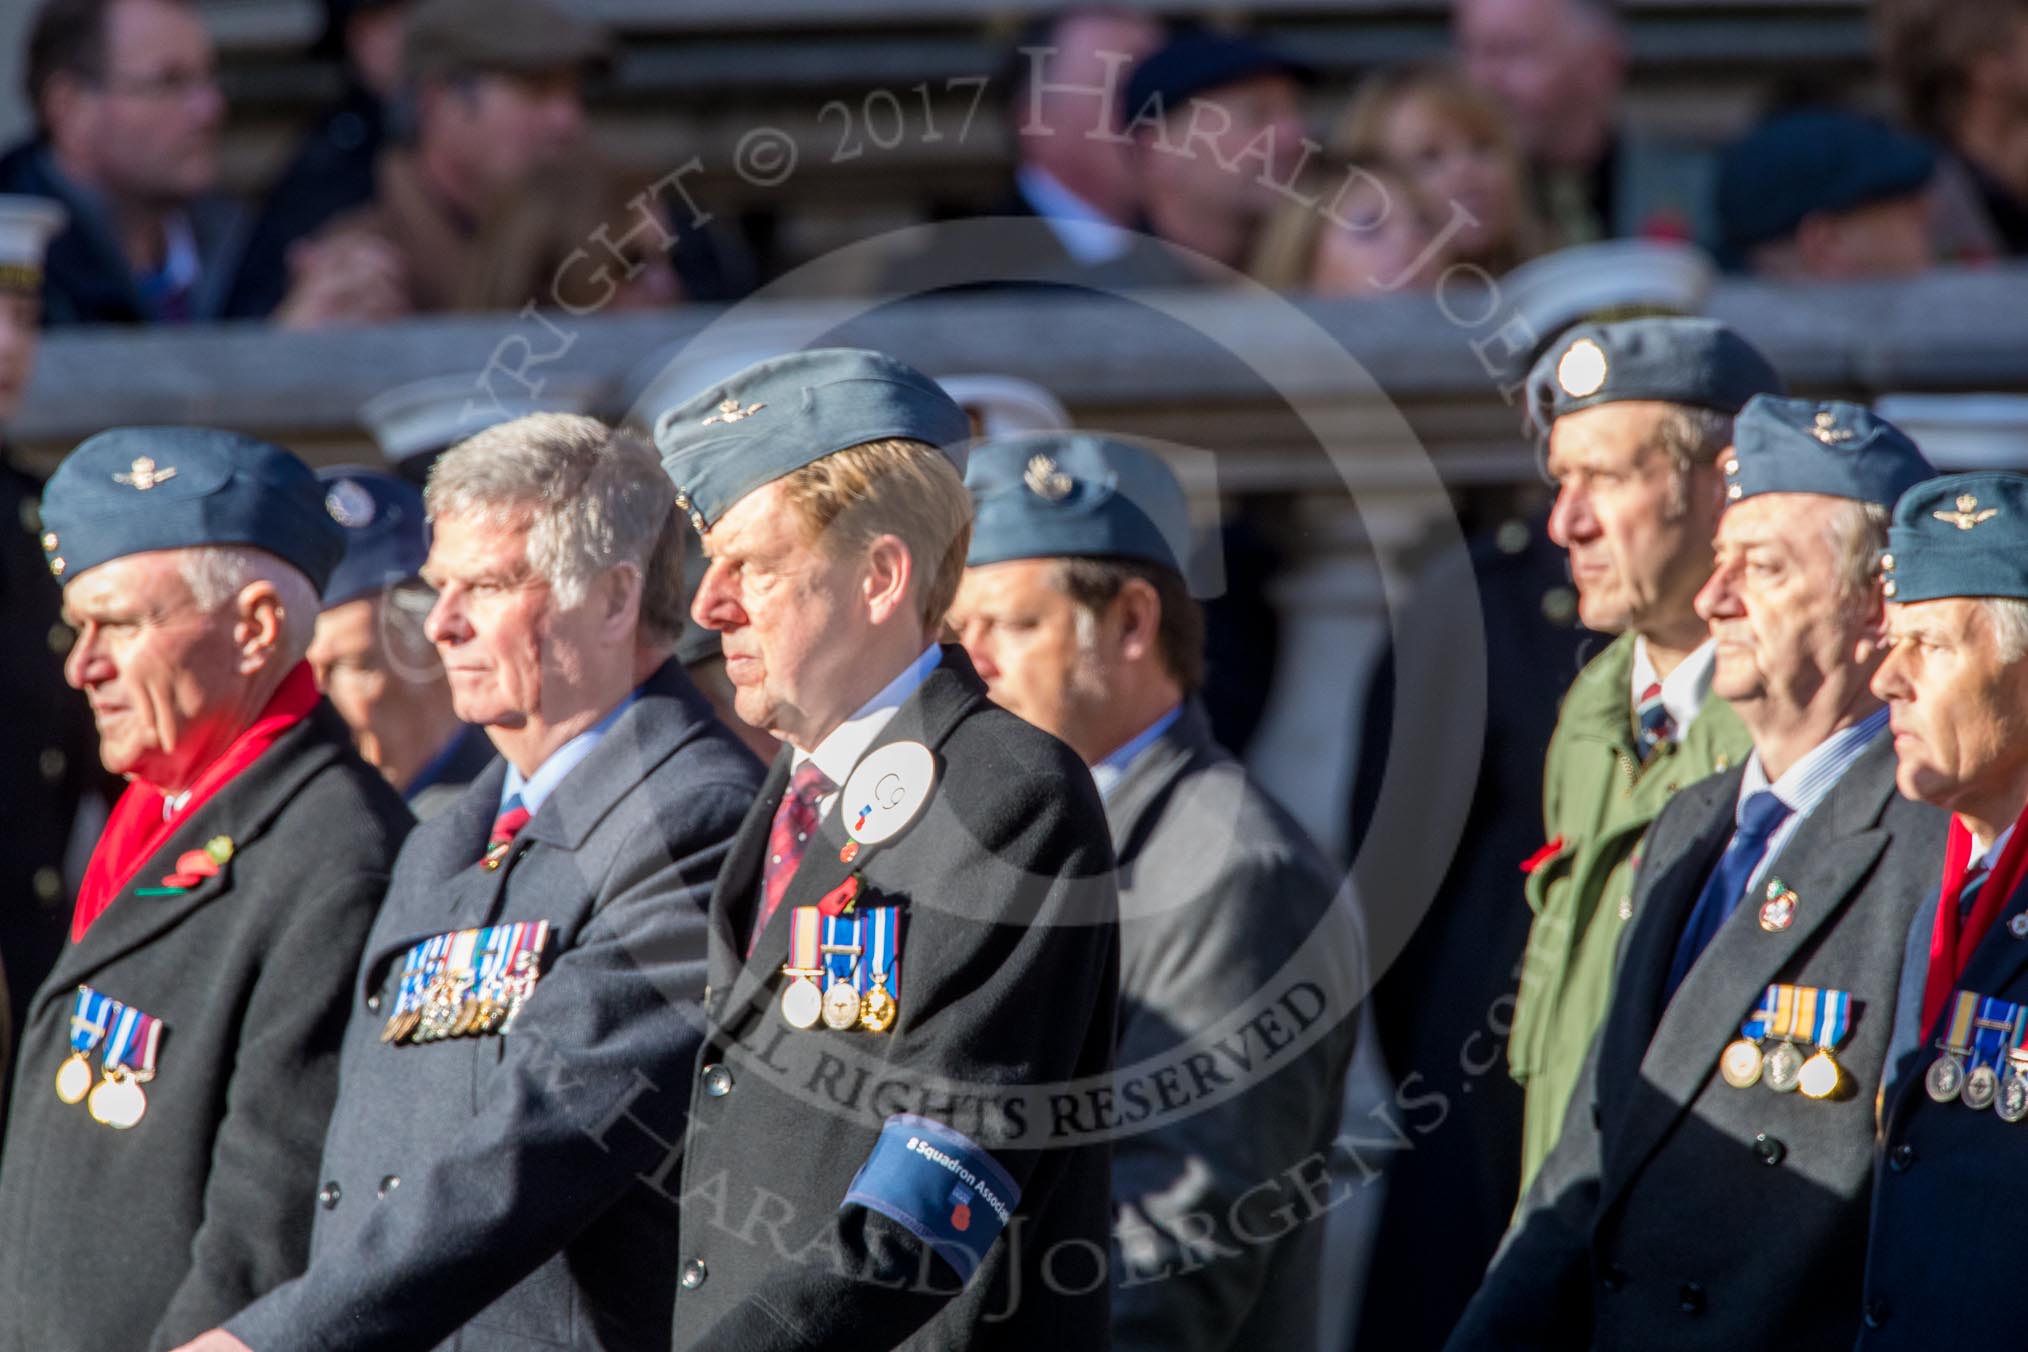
(496, 624)
(1638, 528)
(1022, 632)
(1780, 602)
(148, 125)
(1959, 712)
(160, 674)
(1454, 166)
(790, 616)
(20, 316)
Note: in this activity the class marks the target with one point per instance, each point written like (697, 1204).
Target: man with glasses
(127, 112)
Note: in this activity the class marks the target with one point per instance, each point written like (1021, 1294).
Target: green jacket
(1597, 802)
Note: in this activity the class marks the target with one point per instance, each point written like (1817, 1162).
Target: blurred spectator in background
(1217, 135)
(127, 116)
(1825, 195)
(542, 248)
(1357, 229)
(332, 170)
(1963, 73)
(1559, 67)
(370, 655)
(496, 92)
(1454, 145)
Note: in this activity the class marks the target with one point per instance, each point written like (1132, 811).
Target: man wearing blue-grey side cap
(1075, 611)
(1955, 679)
(914, 963)
(1735, 1075)
(179, 1063)
(371, 655)
(1638, 414)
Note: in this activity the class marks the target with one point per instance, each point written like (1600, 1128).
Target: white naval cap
(1963, 431)
(432, 415)
(27, 224)
(1006, 406)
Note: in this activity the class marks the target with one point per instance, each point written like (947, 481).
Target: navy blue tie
(1759, 818)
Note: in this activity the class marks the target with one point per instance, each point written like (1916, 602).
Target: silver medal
(2012, 1105)
(1783, 1069)
(1946, 1078)
(1981, 1087)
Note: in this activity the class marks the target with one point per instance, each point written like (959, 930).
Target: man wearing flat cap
(371, 654)
(494, 88)
(178, 1066)
(1711, 1183)
(524, 1021)
(901, 1118)
(1947, 1182)
(1639, 414)
(1075, 612)
(49, 765)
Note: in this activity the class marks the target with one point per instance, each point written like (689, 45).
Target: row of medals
(1781, 1067)
(1979, 1088)
(116, 1101)
(447, 1012)
(841, 1006)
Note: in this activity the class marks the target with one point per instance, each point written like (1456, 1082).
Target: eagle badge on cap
(143, 475)
(1045, 480)
(1968, 514)
(1826, 429)
(349, 504)
(731, 412)
(1582, 370)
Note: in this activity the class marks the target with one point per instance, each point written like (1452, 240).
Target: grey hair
(216, 574)
(592, 498)
(2008, 616)
(1857, 533)
(1693, 436)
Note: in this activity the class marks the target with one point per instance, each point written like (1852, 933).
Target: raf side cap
(27, 224)
(1075, 495)
(779, 415)
(387, 532)
(135, 489)
(1699, 363)
(1835, 448)
(1959, 535)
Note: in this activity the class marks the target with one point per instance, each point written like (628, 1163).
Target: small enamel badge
(1778, 912)
(886, 790)
(2018, 926)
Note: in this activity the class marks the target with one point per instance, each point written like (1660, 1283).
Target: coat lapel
(1679, 867)
(1133, 807)
(1824, 862)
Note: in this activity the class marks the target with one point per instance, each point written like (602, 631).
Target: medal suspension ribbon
(879, 969)
(1949, 947)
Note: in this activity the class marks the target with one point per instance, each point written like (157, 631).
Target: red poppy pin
(841, 898)
(1542, 856)
(193, 867)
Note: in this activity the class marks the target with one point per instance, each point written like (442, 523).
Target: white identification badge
(886, 790)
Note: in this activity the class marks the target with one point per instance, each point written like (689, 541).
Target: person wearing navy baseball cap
(373, 660)
(827, 488)
(217, 930)
(1077, 615)
(1753, 1005)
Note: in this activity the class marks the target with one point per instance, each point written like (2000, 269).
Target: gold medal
(1740, 1063)
(802, 1002)
(74, 1078)
(877, 1010)
(841, 1006)
(1821, 1075)
(117, 1102)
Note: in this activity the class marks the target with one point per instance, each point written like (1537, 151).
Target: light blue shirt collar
(1108, 773)
(1806, 783)
(838, 753)
(536, 788)
(1081, 228)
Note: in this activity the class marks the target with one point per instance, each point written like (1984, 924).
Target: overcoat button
(373, 1002)
(693, 1274)
(389, 1184)
(1770, 1149)
(1877, 1313)
(1691, 1298)
(1612, 1278)
(717, 1081)
(328, 1195)
(1902, 1159)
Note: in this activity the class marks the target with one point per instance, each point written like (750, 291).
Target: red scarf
(138, 828)
(1950, 948)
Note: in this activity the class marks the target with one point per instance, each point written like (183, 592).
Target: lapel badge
(1968, 514)
(2018, 926)
(1582, 370)
(886, 790)
(142, 475)
(1778, 912)
(729, 411)
(849, 852)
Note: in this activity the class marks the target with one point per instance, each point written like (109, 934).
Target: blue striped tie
(1759, 818)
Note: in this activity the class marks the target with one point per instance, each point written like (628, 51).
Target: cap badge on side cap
(1045, 480)
(349, 504)
(1968, 514)
(731, 412)
(1826, 429)
(1582, 370)
(143, 475)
